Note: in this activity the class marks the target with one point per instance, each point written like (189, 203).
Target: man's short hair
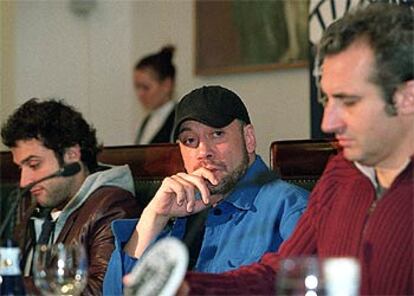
(57, 125)
(389, 30)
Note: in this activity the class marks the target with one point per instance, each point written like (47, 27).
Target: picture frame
(233, 36)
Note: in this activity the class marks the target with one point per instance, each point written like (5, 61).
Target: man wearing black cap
(362, 206)
(228, 207)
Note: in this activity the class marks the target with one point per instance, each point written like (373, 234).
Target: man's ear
(72, 154)
(249, 138)
(404, 98)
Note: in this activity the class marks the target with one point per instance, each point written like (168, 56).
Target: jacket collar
(117, 176)
(245, 191)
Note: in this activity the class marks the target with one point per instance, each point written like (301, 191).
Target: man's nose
(26, 177)
(332, 119)
(205, 149)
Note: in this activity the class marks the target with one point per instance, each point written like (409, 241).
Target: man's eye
(189, 142)
(349, 102)
(141, 87)
(217, 134)
(34, 165)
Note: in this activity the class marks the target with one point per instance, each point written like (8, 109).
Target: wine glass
(342, 276)
(60, 269)
(300, 276)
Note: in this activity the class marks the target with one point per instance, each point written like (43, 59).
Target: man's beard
(58, 194)
(229, 181)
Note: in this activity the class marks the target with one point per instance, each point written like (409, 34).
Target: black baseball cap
(213, 105)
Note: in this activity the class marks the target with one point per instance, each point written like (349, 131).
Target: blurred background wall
(50, 50)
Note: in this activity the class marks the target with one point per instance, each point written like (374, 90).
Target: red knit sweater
(337, 223)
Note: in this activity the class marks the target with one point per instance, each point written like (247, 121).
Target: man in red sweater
(362, 207)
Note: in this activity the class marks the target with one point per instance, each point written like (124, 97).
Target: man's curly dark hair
(57, 125)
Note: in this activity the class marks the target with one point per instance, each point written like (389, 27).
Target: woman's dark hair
(57, 125)
(160, 63)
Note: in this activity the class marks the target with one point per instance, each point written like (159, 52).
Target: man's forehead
(26, 150)
(339, 70)
(30, 144)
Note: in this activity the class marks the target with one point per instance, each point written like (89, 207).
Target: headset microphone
(66, 171)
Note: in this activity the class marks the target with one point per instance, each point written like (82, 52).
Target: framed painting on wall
(250, 35)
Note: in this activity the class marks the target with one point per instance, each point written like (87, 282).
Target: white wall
(278, 101)
(7, 103)
(89, 60)
(83, 59)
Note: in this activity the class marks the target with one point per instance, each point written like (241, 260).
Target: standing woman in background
(154, 79)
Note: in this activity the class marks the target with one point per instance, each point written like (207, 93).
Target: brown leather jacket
(90, 225)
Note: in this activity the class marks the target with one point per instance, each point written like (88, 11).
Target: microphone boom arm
(66, 171)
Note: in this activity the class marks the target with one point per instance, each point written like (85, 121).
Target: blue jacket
(256, 217)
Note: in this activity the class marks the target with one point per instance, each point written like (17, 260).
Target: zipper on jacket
(371, 209)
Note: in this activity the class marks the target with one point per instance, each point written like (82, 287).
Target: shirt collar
(155, 121)
(245, 191)
(369, 171)
(55, 215)
(164, 110)
(40, 213)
